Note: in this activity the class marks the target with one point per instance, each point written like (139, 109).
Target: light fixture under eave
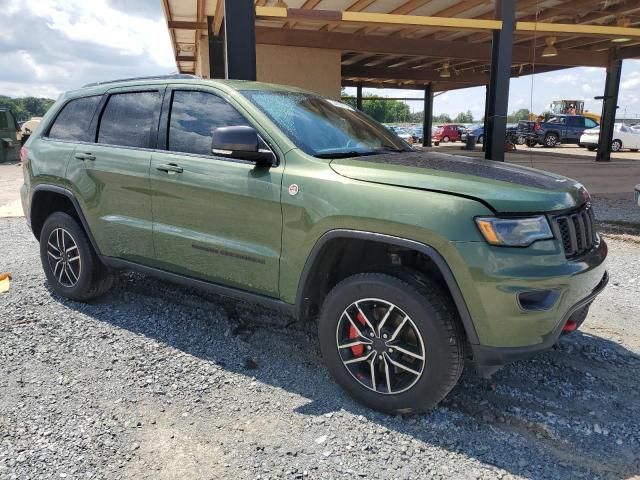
(624, 23)
(550, 50)
(444, 71)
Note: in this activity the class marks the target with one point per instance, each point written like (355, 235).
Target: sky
(50, 46)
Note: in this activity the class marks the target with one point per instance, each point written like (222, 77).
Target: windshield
(325, 128)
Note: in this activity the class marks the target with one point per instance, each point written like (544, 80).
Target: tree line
(396, 111)
(24, 108)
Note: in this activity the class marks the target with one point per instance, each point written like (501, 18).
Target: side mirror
(240, 142)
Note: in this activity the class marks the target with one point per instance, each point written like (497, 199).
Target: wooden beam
(403, 9)
(405, 74)
(218, 16)
(451, 11)
(185, 58)
(376, 19)
(180, 25)
(308, 5)
(629, 52)
(573, 29)
(418, 47)
(453, 83)
(357, 6)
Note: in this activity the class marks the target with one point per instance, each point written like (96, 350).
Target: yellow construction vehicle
(568, 107)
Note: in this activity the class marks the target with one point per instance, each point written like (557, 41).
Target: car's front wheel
(394, 344)
(72, 268)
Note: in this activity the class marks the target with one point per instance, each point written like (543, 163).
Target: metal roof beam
(418, 47)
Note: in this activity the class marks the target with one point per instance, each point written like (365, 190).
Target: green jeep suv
(411, 263)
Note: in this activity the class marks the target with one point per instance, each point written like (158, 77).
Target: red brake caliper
(357, 350)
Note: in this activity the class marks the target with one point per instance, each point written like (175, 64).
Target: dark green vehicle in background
(9, 144)
(411, 263)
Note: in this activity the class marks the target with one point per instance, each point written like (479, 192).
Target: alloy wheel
(616, 146)
(380, 346)
(64, 257)
(550, 141)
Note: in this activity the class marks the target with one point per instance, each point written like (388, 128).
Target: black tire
(591, 148)
(616, 145)
(520, 140)
(91, 278)
(634, 149)
(531, 143)
(551, 140)
(445, 139)
(433, 316)
(481, 139)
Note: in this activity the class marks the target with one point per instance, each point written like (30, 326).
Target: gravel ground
(617, 209)
(157, 381)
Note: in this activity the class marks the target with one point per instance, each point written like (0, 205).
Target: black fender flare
(44, 187)
(429, 251)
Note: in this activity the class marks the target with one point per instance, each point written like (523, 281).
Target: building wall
(313, 69)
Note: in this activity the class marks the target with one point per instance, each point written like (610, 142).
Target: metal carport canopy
(412, 43)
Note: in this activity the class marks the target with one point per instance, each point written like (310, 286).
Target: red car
(447, 133)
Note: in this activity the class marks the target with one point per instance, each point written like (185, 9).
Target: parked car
(418, 135)
(624, 137)
(411, 263)
(475, 130)
(562, 129)
(448, 133)
(402, 133)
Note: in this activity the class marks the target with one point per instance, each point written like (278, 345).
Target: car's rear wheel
(481, 139)
(616, 145)
(591, 148)
(551, 140)
(71, 266)
(394, 344)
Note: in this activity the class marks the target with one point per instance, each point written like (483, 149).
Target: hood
(504, 187)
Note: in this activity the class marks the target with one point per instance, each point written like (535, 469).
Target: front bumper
(494, 280)
(485, 356)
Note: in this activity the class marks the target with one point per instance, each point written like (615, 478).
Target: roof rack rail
(175, 76)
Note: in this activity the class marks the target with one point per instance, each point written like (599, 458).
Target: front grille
(576, 230)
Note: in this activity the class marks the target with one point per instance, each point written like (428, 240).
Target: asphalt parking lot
(156, 381)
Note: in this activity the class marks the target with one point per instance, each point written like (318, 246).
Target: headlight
(514, 232)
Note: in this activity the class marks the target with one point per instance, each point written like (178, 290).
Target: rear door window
(193, 118)
(74, 120)
(129, 119)
(590, 123)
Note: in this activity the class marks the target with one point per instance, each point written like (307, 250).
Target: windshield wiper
(348, 154)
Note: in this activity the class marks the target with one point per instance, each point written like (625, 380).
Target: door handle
(170, 168)
(85, 156)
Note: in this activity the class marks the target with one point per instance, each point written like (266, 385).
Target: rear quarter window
(73, 121)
